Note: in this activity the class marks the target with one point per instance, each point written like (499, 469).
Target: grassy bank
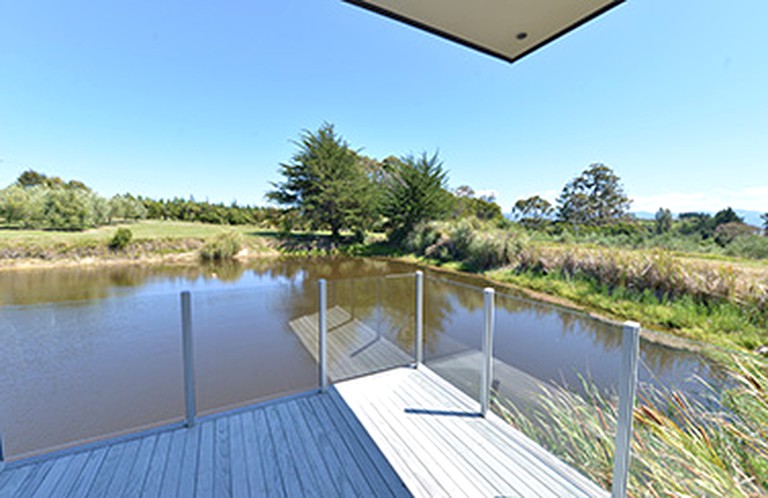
(720, 301)
(150, 239)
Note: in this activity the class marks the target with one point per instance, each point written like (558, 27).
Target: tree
(764, 217)
(467, 204)
(595, 197)
(663, 221)
(728, 232)
(416, 192)
(726, 215)
(326, 182)
(533, 212)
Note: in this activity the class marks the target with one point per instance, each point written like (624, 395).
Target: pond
(90, 353)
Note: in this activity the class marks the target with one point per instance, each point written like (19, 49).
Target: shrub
(749, 246)
(121, 239)
(223, 246)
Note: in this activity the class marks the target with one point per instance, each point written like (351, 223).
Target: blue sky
(176, 98)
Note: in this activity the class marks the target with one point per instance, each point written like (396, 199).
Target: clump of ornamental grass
(716, 446)
(222, 246)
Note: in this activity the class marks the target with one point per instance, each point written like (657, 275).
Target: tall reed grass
(716, 446)
(711, 300)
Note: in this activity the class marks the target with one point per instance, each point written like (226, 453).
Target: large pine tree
(326, 181)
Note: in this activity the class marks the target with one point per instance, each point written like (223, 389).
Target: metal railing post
(189, 360)
(322, 327)
(630, 347)
(487, 373)
(419, 317)
(2, 455)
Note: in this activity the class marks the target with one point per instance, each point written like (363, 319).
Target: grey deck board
(170, 481)
(237, 448)
(107, 470)
(553, 473)
(204, 485)
(504, 449)
(89, 472)
(305, 442)
(468, 454)
(12, 480)
(473, 446)
(188, 476)
(431, 433)
(273, 481)
(140, 467)
(34, 479)
(154, 478)
(416, 471)
(222, 476)
(73, 471)
(48, 484)
(257, 485)
(402, 432)
(306, 467)
(119, 480)
(289, 474)
(342, 465)
(377, 469)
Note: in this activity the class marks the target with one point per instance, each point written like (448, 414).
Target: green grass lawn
(150, 229)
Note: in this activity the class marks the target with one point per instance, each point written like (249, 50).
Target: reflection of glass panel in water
(367, 320)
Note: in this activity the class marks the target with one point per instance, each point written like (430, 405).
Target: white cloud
(750, 198)
(487, 192)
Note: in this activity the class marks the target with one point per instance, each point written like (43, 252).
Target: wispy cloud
(487, 192)
(750, 198)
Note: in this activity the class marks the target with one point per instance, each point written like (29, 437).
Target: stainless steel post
(2, 455)
(322, 326)
(189, 360)
(487, 372)
(419, 317)
(630, 347)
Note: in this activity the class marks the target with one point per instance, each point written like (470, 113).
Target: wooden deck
(305, 446)
(432, 435)
(401, 432)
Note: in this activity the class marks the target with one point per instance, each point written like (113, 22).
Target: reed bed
(716, 446)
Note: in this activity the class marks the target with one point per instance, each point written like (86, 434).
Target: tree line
(334, 187)
(39, 201)
(328, 185)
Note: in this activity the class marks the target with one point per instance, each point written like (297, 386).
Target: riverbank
(737, 323)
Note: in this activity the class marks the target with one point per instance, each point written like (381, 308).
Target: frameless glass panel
(552, 383)
(249, 344)
(453, 330)
(75, 371)
(370, 325)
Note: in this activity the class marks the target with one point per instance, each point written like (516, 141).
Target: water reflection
(100, 346)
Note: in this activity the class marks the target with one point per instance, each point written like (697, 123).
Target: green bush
(223, 246)
(749, 246)
(121, 239)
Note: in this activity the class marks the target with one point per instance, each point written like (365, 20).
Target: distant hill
(750, 217)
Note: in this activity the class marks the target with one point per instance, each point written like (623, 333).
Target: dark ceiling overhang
(507, 29)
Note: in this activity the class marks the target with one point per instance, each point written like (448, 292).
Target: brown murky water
(88, 353)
